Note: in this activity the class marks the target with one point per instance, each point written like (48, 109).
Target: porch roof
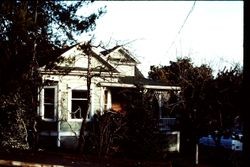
(133, 82)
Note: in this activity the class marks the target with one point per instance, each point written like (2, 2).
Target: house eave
(162, 87)
(113, 84)
(123, 85)
(79, 73)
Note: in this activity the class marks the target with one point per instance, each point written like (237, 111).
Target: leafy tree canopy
(33, 34)
(209, 103)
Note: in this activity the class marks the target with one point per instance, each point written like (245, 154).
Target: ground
(208, 158)
(67, 159)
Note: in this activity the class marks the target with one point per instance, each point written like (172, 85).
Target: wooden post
(197, 154)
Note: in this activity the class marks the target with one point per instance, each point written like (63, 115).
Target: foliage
(228, 91)
(144, 137)
(32, 27)
(209, 103)
(133, 133)
(33, 34)
(105, 134)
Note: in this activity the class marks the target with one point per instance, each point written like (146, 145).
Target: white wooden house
(63, 99)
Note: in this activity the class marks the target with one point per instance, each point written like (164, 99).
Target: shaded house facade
(63, 99)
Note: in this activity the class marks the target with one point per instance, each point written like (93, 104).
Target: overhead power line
(190, 11)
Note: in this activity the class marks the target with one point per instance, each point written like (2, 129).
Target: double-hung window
(79, 104)
(48, 105)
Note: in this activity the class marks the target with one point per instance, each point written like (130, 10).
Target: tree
(143, 138)
(192, 81)
(33, 34)
(133, 132)
(226, 90)
(209, 103)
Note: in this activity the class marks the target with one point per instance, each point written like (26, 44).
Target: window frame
(161, 102)
(70, 104)
(42, 103)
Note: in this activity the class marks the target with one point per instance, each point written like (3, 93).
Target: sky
(156, 32)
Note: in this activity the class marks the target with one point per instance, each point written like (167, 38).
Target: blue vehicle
(233, 142)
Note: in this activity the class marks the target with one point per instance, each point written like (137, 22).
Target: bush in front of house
(13, 129)
(105, 134)
(133, 133)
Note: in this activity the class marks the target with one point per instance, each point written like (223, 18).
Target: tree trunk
(81, 140)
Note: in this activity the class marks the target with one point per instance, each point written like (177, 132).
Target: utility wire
(190, 11)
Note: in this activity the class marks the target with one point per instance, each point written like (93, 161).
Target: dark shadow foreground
(72, 159)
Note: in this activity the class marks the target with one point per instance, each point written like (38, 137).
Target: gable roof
(138, 73)
(102, 58)
(99, 58)
(107, 51)
(128, 57)
(75, 59)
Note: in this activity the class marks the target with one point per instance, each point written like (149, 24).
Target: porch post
(58, 111)
(109, 100)
(160, 104)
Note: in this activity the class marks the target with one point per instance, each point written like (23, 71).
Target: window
(106, 100)
(79, 104)
(166, 103)
(48, 105)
